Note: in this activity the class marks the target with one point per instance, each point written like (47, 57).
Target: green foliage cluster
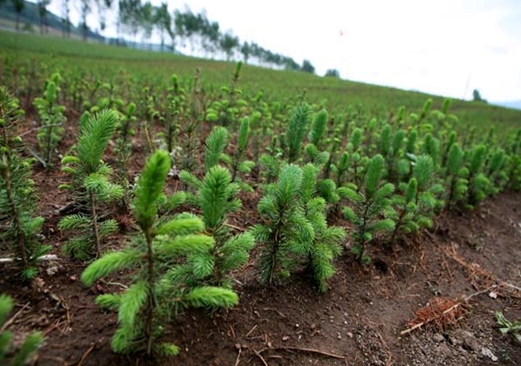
(29, 346)
(20, 232)
(51, 119)
(371, 207)
(91, 187)
(380, 171)
(508, 327)
(294, 230)
(157, 293)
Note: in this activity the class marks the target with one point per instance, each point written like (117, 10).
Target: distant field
(337, 95)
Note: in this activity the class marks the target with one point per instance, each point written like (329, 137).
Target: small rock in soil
(488, 353)
(438, 338)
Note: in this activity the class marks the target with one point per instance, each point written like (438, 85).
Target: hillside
(335, 93)
(30, 20)
(158, 209)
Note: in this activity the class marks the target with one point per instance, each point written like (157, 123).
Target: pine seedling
(450, 142)
(123, 150)
(318, 129)
(495, 170)
(334, 147)
(416, 207)
(391, 149)
(51, 119)
(320, 159)
(316, 157)
(429, 191)
(21, 228)
(214, 147)
(239, 164)
(226, 110)
(341, 169)
(357, 163)
(455, 177)
(110, 100)
(296, 132)
(513, 168)
(371, 207)
(92, 187)
(217, 198)
(405, 208)
(506, 326)
(283, 226)
(325, 245)
(431, 146)
(189, 142)
(30, 345)
(271, 165)
(478, 181)
(125, 131)
(175, 108)
(147, 114)
(157, 250)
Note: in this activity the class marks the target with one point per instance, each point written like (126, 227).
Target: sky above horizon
(447, 48)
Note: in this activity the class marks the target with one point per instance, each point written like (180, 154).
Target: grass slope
(334, 94)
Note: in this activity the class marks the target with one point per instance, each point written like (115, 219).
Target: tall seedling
(319, 252)
(217, 198)
(284, 225)
(51, 119)
(239, 164)
(21, 227)
(298, 125)
(478, 181)
(456, 183)
(91, 186)
(158, 249)
(371, 206)
(417, 203)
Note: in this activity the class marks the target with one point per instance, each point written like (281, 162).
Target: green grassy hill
(30, 20)
(337, 95)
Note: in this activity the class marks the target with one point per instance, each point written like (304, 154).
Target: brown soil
(469, 261)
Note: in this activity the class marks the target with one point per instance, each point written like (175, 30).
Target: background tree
(42, 12)
(85, 9)
(66, 30)
(246, 51)
(308, 67)
(332, 73)
(476, 96)
(129, 11)
(103, 6)
(146, 20)
(18, 6)
(163, 22)
(228, 43)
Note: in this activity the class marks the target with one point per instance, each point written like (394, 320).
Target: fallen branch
(10, 321)
(251, 331)
(260, 356)
(47, 257)
(87, 353)
(310, 350)
(238, 357)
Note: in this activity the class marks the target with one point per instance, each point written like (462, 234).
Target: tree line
(176, 29)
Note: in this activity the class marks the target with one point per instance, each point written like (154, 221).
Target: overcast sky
(444, 47)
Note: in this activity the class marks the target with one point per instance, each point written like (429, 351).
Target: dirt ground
(468, 266)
